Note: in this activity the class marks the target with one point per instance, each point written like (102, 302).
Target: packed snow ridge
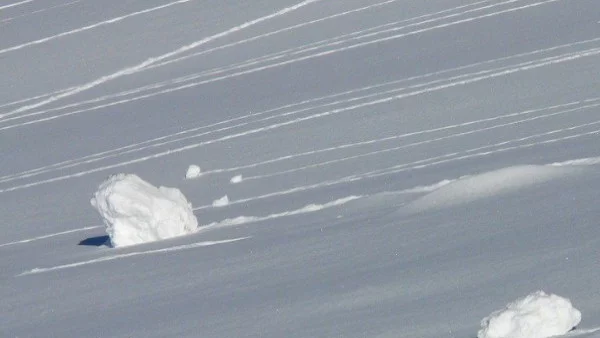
(538, 315)
(134, 211)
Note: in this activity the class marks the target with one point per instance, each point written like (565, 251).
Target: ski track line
(40, 11)
(140, 67)
(257, 69)
(95, 157)
(15, 4)
(330, 42)
(405, 135)
(49, 236)
(29, 99)
(131, 254)
(303, 25)
(85, 28)
(153, 142)
(187, 78)
(162, 84)
(551, 61)
(309, 101)
(420, 164)
(410, 145)
(401, 168)
(180, 88)
(254, 219)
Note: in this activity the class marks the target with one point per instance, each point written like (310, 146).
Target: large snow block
(538, 315)
(135, 211)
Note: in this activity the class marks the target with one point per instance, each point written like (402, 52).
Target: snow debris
(193, 171)
(135, 211)
(236, 179)
(538, 315)
(221, 202)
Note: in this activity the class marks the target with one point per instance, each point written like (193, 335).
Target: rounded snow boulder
(134, 211)
(538, 315)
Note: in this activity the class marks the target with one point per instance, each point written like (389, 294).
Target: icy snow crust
(538, 315)
(135, 212)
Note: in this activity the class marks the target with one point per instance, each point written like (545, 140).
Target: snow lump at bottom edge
(538, 315)
(134, 211)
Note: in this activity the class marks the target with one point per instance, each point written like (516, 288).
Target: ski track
(414, 144)
(15, 4)
(153, 142)
(50, 235)
(40, 11)
(131, 254)
(252, 70)
(116, 151)
(161, 84)
(453, 81)
(429, 162)
(215, 71)
(140, 67)
(86, 28)
(183, 58)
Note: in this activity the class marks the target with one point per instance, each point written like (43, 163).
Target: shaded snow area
(135, 212)
(538, 315)
(336, 168)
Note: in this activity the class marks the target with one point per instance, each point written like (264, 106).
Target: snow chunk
(193, 171)
(135, 212)
(236, 179)
(221, 202)
(538, 315)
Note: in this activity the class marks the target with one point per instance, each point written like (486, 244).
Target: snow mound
(193, 171)
(471, 188)
(221, 202)
(135, 212)
(538, 315)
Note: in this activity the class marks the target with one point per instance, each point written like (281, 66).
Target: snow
(221, 202)
(136, 212)
(538, 315)
(193, 171)
(406, 166)
(497, 182)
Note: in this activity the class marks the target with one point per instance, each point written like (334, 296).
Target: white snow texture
(135, 211)
(221, 202)
(538, 315)
(193, 171)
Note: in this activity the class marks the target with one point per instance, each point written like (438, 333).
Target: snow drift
(471, 188)
(538, 315)
(135, 212)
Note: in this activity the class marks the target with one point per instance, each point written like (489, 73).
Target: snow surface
(408, 166)
(193, 171)
(135, 212)
(538, 315)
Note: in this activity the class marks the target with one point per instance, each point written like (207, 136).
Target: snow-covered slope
(393, 168)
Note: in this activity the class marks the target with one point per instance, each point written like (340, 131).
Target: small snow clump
(538, 315)
(134, 211)
(221, 202)
(236, 179)
(193, 171)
